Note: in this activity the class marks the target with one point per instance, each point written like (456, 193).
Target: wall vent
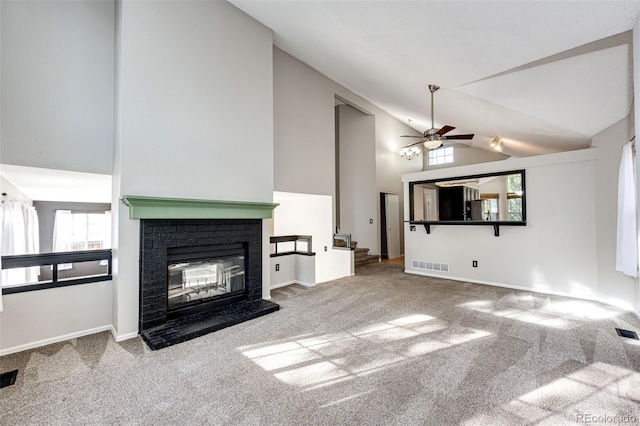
(627, 333)
(8, 379)
(429, 266)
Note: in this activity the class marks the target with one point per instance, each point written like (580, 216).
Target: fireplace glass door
(204, 279)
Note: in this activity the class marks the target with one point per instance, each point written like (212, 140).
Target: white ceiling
(58, 185)
(545, 76)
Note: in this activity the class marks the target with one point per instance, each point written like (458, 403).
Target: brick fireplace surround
(159, 326)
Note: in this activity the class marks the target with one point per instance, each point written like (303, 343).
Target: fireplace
(198, 276)
(204, 274)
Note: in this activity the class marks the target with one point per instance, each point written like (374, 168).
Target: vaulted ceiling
(545, 76)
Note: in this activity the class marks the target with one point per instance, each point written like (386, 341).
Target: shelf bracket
(496, 229)
(427, 227)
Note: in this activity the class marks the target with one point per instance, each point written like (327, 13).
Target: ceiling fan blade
(445, 129)
(412, 136)
(413, 144)
(459, 137)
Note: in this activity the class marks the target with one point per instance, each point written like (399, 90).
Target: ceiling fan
(433, 138)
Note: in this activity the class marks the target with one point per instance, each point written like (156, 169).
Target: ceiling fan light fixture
(409, 152)
(497, 143)
(432, 144)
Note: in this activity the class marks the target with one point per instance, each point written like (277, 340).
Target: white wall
(42, 317)
(557, 252)
(463, 156)
(609, 143)
(308, 214)
(292, 269)
(194, 117)
(286, 273)
(304, 128)
(57, 84)
(357, 188)
(6, 187)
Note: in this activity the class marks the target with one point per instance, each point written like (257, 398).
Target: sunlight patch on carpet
(316, 361)
(598, 390)
(545, 316)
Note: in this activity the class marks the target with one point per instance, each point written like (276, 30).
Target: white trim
(56, 339)
(282, 284)
(617, 304)
(121, 337)
(286, 283)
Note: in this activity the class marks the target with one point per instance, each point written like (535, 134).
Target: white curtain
(19, 234)
(32, 243)
(627, 240)
(62, 235)
(5, 238)
(13, 240)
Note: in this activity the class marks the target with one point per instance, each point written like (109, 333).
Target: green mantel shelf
(184, 208)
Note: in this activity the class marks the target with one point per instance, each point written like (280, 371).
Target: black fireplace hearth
(198, 276)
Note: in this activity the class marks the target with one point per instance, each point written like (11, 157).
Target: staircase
(362, 257)
(361, 254)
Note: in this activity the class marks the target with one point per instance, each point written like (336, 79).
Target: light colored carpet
(382, 347)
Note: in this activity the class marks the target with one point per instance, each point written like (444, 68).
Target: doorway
(390, 225)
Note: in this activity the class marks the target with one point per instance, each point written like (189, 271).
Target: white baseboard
(283, 284)
(624, 306)
(121, 337)
(286, 283)
(55, 339)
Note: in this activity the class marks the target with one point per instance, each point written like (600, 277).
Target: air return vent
(8, 379)
(429, 266)
(627, 333)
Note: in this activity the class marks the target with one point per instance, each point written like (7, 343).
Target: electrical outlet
(370, 220)
(325, 248)
(277, 266)
(475, 263)
(412, 228)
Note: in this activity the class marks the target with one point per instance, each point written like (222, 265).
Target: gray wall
(304, 135)
(358, 196)
(57, 84)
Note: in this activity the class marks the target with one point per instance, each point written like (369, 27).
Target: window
(81, 231)
(90, 231)
(441, 156)
(514, 197)
(80, 254)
